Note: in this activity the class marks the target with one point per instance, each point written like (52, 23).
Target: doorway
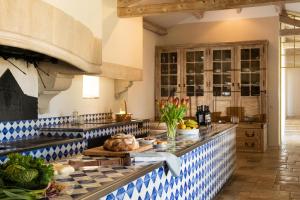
(290, 82)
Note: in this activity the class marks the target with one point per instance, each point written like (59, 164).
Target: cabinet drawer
(249, 133)
(248, 145)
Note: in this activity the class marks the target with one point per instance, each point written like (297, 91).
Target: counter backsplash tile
(132, 128)
(17, 130)
(55, 152)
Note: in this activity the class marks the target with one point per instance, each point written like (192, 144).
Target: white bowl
(188, 131)
(147, 141)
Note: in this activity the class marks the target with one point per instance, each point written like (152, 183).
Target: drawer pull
(249, 135)
(250, 145)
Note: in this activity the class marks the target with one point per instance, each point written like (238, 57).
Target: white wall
(240, 30)
(68, 101)
(141, 94)
(122, 38)
(292, 97)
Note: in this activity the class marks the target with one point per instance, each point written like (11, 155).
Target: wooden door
(222, 65)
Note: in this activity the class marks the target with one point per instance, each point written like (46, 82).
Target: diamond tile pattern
(131, 128)
(17, 130)
(55, 152)
(204, 171)
(89, 178)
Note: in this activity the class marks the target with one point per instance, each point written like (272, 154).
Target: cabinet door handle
(233, 84)
(207, 85)
(250, 135)
(250, 145)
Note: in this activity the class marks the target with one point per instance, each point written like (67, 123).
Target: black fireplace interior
(14, 104)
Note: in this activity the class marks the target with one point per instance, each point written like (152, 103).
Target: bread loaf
(121, 142)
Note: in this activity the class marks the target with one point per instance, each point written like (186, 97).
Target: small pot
(123, 117)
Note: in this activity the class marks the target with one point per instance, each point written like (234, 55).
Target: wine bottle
(202, 115)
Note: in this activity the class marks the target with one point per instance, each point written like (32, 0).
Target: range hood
(57, 45)
(39, 27)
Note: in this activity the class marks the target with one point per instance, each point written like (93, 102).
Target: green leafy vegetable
(26, 172)
(19, 174)
(14, 193)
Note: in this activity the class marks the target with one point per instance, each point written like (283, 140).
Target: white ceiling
(171, 19)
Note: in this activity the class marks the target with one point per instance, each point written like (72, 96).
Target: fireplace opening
(14, 104)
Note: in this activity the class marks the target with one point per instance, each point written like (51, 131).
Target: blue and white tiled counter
(25, 136)
(206, 164)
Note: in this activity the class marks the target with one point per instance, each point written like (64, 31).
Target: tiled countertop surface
(100, 181)
(33, 143)
(87, 125)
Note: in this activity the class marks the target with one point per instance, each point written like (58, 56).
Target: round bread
(121, 142)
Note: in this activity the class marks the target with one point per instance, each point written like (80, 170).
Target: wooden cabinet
(219, 75)
(251, 75)
(251, 137)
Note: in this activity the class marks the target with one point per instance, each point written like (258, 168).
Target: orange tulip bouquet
(172, 112)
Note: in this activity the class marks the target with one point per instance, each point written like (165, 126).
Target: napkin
(173, 162)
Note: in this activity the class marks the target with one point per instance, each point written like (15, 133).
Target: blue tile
(130, 189)
(154, 194)
(172, 197)
(146, 180)
(110, 197)
(147, 196)
(120, 194)
(139, 184)
(153, 176)
(166, 186)
(160, 189)
(5, 131)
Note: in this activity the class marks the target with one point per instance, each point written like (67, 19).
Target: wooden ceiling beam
(198, 14)
(192, 6)
(126, 3)
(150, 26)
(289, 32)
(288, 20)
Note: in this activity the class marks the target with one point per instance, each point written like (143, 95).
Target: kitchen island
(207, 162)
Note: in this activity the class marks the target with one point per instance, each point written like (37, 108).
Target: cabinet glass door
(169, 73)
(221, 62)
(250, 71)
(194, 70)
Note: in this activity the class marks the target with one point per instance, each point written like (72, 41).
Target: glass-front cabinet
(169, 74)
(252, 80)
(223, 76)
(222, 60)
(250, 71)
(194, 77)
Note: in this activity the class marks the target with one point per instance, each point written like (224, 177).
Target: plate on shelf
(188, 131)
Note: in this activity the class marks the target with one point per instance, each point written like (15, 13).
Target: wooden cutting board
(100, 151)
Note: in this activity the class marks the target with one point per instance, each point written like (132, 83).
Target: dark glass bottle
(197, 114)
(202, 116)
(207, 116)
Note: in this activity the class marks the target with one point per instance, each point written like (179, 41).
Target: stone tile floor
(270, 175)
